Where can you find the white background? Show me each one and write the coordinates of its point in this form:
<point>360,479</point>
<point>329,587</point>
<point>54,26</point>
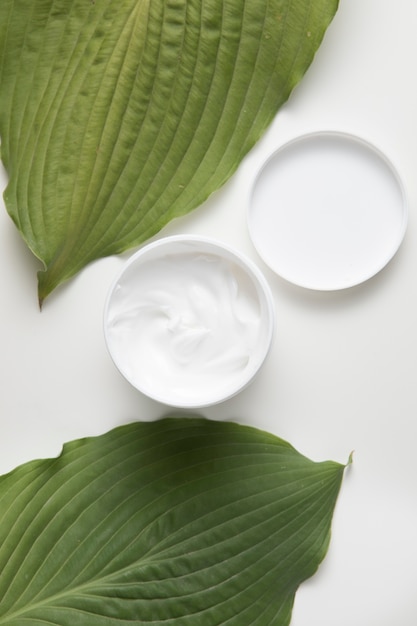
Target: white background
<point>342,371</point>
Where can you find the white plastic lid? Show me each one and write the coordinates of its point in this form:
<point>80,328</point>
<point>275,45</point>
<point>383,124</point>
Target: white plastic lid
<point>327,211</point>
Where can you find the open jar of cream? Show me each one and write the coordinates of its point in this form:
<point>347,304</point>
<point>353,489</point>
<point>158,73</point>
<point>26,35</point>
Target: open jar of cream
<point>189,321</point>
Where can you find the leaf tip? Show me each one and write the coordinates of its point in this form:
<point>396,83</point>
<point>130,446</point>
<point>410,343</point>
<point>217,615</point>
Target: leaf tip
<point>41,297</point>
<point>45,287</point>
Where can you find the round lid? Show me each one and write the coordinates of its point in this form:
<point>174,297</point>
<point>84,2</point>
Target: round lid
<point>327,211</point>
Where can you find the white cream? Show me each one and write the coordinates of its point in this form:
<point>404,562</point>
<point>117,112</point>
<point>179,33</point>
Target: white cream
<point>186,328</point>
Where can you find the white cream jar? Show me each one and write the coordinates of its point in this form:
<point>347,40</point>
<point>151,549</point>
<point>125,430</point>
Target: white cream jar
<point>188,321</point>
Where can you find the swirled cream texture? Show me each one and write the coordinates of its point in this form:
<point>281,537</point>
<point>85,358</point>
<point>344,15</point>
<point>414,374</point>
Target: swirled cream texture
<point>186,327</point>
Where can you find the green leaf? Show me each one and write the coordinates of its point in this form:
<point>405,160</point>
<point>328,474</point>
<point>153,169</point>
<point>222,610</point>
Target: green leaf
<point>118,115</point>
<point>179,522</point>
